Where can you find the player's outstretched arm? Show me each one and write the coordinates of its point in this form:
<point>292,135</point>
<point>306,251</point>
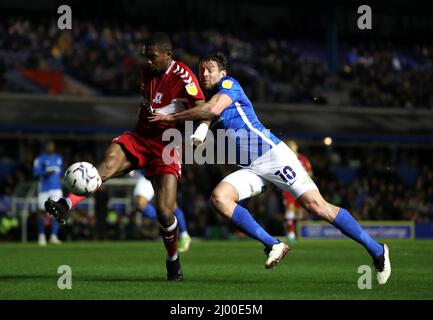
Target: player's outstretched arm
<point>207,111</point>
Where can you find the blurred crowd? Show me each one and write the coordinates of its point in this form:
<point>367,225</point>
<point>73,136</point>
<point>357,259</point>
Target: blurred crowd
<point>374,184</point>
<point>379,184</point>
<point>381,75</point>
<point>275,69</point>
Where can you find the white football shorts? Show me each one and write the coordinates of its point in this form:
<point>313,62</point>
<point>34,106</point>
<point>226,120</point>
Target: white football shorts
<point>279,166</point>
<point>144,188</point>
<point>54,194</point>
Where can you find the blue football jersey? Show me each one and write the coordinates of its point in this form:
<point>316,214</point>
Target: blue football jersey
<point>49,169</point>
<point>242,126</point>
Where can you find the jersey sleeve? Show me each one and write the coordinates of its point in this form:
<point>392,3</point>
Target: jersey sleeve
<point>37,170</point>
<point>229,87</point>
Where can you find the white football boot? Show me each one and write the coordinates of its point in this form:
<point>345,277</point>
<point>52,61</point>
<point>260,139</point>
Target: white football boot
<point>275,254</point>
<point>383,266</point>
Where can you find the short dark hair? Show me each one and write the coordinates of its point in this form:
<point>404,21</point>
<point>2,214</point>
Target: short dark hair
<point>218,57</point>
<point>161,40</point>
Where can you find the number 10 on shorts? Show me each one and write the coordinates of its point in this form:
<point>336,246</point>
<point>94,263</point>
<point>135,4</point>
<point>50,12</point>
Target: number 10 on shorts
<point>286,174</point>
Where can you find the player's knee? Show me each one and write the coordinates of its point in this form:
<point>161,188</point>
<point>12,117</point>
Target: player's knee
<point>220,201</point>
<point>112,162</point>
<point>107,168</point>
<point>164,213</point>
<point>141,203</point>
<point>320,208</point>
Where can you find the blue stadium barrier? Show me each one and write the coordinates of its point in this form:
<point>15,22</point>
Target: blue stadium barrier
<point>377,229</point>
<point>424,230</point>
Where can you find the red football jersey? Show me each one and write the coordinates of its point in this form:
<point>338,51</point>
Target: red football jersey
<point>174,91</point>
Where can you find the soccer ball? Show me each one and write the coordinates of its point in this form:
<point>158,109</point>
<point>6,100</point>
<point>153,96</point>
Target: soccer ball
<point>82,178</point>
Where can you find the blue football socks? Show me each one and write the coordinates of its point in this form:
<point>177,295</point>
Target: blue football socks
<point>349,227</point>
<point>243,220</point>
<point>149,211</point>
<point>180,219</point>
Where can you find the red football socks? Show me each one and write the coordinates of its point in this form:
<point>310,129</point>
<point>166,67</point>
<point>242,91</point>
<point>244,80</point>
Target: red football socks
<point>74,199</point>
<point>169,236</point>
<point>290,225</point>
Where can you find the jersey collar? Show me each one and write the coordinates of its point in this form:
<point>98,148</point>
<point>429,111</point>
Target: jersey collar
<point>170,67</point>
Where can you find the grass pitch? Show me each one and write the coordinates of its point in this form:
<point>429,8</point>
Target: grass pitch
<point>313,269</point>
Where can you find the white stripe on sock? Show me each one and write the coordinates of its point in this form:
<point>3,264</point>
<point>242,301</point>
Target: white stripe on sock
<point>172,227</point>
<point>172,258</point>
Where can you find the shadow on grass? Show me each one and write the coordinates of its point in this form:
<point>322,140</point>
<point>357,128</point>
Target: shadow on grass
<point>119,279</point>
<point>11,277</point>
<point>191,280</point>
<point>134,279</point>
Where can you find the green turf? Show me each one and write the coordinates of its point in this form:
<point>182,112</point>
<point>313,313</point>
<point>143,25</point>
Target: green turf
<point>325,269</point>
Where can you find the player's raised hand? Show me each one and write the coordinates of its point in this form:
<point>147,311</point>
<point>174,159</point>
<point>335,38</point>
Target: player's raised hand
<point>155,117</point>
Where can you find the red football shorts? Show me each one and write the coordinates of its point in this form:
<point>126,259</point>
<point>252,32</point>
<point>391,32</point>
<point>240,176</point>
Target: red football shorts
<point>149,153</point>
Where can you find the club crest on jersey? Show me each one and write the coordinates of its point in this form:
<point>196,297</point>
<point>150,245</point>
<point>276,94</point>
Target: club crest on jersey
<point>157,98</point>
<point>191,89</point>
<point>227,84</point>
